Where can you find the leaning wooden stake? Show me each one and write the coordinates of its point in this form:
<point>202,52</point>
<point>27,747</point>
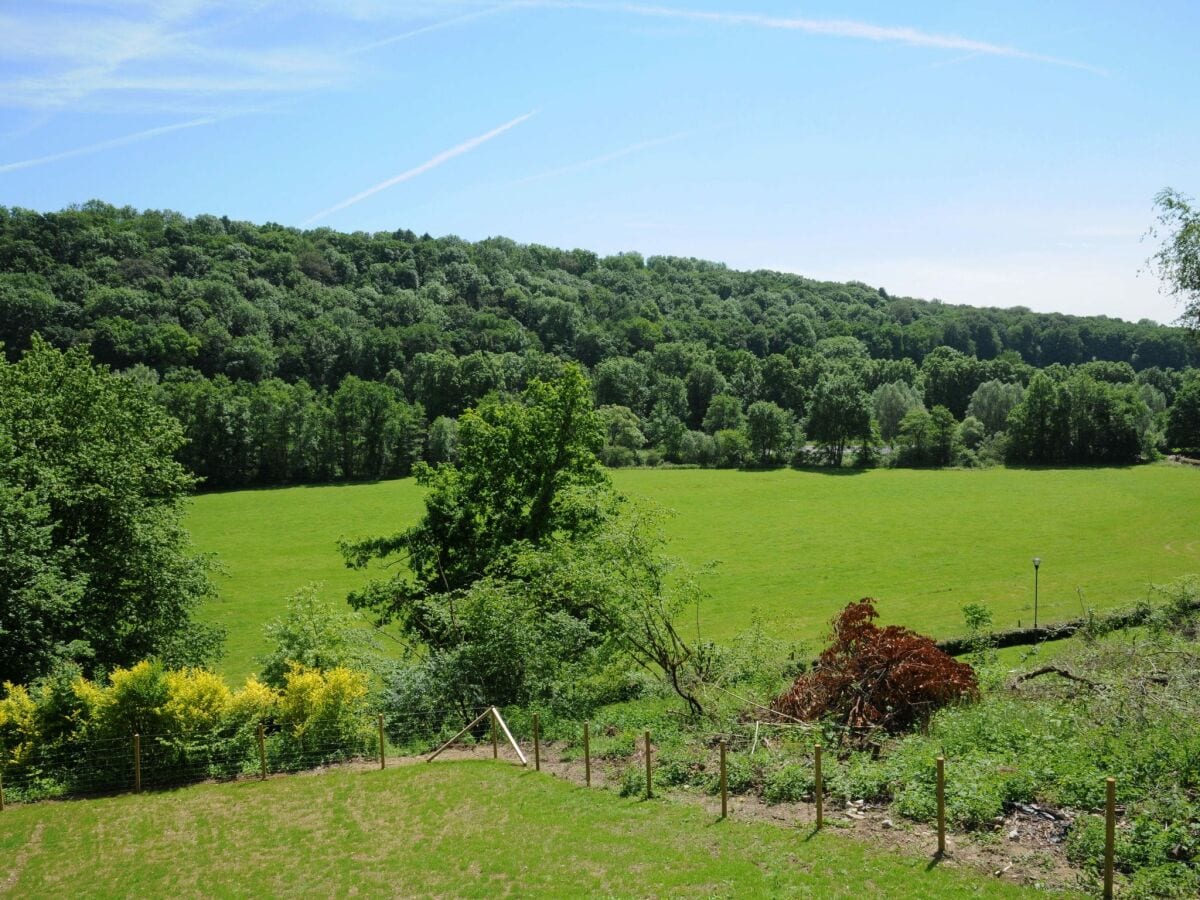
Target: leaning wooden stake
<point>498,719</point>
<point>537,743</point>
<point>1110,834</point>
<point>137,763</point>
<point>382,758</point>
<point>941,805</point>
<point>649,783</point>
<point>587,754</point>
<point>434,755</point>
<point>724,785</point>
<point>818,786</point>
<point>262,753</point>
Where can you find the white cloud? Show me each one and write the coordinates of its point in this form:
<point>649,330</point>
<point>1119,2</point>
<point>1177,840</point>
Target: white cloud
<point>431,163</point>
<point>607,157</point>
<point>121,57</point>
<point>425,29</point>
<point>843,28</point>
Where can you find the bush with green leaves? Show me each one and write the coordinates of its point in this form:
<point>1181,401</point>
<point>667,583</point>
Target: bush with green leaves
<point>632,781</point>
<point>67,733</point>
<point>315,633</point>
<point>741,775</point>
<point>789,781</point>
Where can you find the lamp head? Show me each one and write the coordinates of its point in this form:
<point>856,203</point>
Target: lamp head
<point>1037,561</point>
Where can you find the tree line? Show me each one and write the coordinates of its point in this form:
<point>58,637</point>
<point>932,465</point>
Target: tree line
<point>303,356</point>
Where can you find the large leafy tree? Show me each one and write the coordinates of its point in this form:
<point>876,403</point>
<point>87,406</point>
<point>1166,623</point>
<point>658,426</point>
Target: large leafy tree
<point>97,567</point>
<point>840,412</point>
<point>769,429</point>
<point>993,401</point>
<point>1183,419</point>
<point>1177,261</point>
<point>891,402</point>
<point>528,470</point>
<point>527,571</point>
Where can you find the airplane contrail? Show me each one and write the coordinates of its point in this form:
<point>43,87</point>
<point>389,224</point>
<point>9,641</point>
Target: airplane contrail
<point>106,145</point>
<point>431,163</point>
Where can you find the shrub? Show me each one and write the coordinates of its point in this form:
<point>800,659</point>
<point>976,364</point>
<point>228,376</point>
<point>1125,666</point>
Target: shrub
<point>680,766</point>
<point>871,677</point>
<point>321,717</point>
<point>858,777</point>
<point>69,734</point>
<point>791,781</point>
<point>18,730</point>
<point>741,776</point>
<point>633,782</point>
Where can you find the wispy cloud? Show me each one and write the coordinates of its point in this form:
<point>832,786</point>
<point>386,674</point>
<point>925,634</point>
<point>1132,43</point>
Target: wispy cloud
<point>105,145</point>
<point>425,29</point>
<point>123,56</point>
<point>431,163</point>
<point>607,157</point>
<point>843,28</point>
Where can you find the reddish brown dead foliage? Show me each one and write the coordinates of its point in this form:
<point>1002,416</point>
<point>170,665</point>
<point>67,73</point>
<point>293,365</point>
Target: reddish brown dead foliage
<point>871,677</point>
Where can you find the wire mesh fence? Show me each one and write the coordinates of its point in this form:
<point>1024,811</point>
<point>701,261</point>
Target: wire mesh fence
<point>88,764</point>
<point>92,765</point>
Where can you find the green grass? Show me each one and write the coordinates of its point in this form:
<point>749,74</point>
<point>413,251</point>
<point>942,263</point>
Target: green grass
<point>271,542</point>
<point>793,546</point>
<point>466,829</point>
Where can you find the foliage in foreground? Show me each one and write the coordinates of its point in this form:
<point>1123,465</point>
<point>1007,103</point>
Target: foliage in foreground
<point>68,734</point>
<point>96,568</point>
<point>527,577</point>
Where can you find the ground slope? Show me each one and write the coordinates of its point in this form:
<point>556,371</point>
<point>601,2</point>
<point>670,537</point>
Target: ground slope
<point>449,829</point>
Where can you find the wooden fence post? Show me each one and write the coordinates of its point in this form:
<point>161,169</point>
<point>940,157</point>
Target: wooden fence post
<point>382,757</point>
<point>818,786</point>
<point>1,789</point>
<point>941,805</point>
<point>137,763</point>
<point>495,737</point>
<point>587,753</point>
<point>649,782</point>
<point>262,753</point>
<point>724,785</point>
<point>1110,834</point>
<point>537,743</point>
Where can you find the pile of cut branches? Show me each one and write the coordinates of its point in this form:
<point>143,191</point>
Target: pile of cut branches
<point>872,678</point>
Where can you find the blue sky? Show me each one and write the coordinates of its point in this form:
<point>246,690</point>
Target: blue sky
<point>994,153</point>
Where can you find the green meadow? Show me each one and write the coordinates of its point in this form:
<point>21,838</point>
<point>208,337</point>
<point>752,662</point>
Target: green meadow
<point>790,547</point>
<point>463,829</point>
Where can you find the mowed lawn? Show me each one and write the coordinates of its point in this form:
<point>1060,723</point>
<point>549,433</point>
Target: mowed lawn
<point>462,829</point>
<point>792,547</point>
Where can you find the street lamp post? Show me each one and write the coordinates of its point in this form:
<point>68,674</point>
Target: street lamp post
<point>1037,562</point>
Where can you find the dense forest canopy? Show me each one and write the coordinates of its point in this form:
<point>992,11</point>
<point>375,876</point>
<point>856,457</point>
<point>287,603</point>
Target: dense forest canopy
<point>292,355</point>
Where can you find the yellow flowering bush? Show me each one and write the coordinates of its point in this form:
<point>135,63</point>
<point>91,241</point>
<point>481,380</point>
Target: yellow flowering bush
<point>18,724</point>
<point>191,726</point>
<point>198,702</point>
<point>322,715</point>
<point>255,702</point>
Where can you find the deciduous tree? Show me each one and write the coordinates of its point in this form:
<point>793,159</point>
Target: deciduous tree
<point>99,569</point>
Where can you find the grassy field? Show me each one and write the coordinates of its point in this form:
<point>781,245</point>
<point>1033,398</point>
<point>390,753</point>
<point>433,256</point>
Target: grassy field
<point>792,546</point>
<point>468,829</point>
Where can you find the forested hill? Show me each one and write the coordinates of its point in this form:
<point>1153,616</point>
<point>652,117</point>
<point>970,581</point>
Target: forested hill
<point>441,321</point>
<point>263,300</point>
